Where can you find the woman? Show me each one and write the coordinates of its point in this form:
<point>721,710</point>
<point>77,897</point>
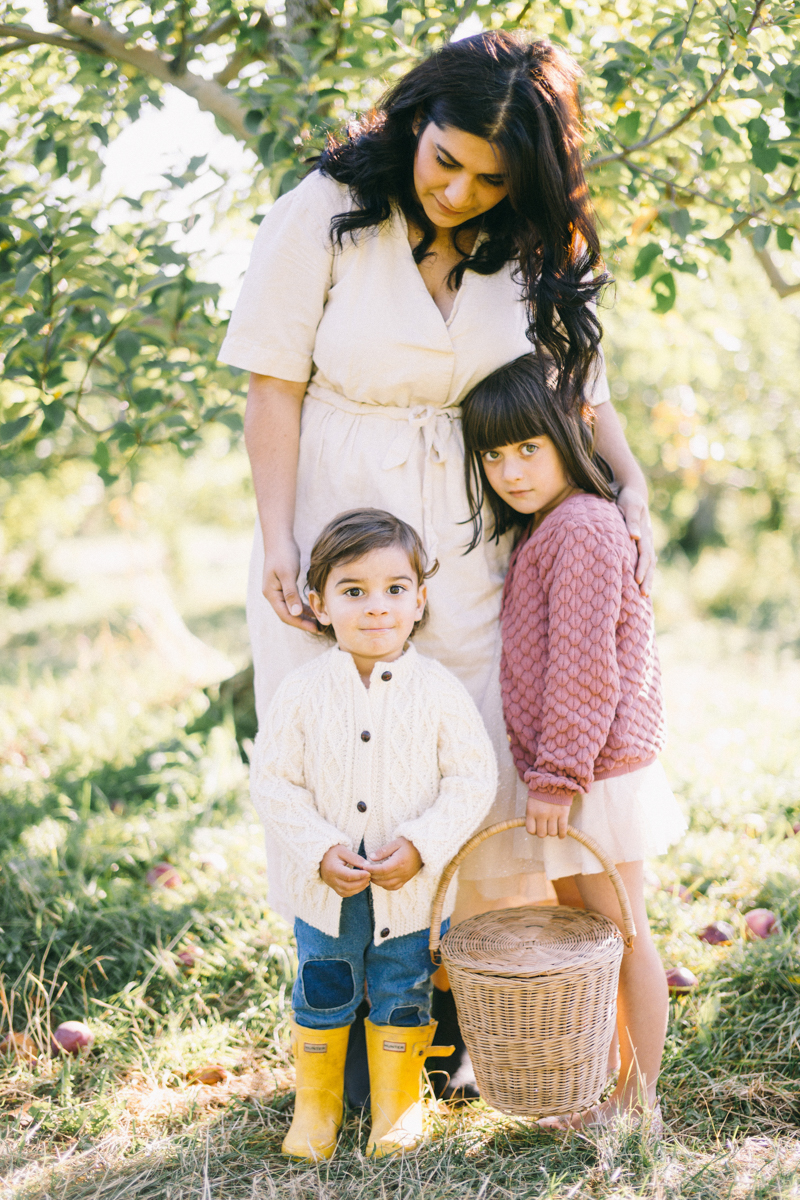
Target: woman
<point>446,233</point>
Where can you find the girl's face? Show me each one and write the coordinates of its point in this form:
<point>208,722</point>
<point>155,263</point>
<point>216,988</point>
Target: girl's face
<point>373,604</point>
<point>457,176</point>
<point>529,476</point>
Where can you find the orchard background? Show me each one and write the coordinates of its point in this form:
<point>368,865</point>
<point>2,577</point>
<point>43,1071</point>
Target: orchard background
<point>125,519</point>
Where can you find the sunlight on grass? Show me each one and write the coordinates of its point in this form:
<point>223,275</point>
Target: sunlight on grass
<point>112,762</point>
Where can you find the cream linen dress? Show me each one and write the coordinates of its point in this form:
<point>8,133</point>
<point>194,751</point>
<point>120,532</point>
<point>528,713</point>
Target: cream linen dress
<point>380,427</point>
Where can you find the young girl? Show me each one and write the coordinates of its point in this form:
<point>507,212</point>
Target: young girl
<point>371,769</point>
<point>580,676</point>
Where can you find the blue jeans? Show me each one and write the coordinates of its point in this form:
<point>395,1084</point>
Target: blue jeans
<point>332,972</point>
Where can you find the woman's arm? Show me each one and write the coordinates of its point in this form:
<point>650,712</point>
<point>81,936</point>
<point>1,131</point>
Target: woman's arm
<point>611,443</point>
<point>272,437</point>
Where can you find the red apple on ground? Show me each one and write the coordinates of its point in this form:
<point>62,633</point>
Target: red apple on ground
<point>207,1075</point>
<point>189,956</point>
<point>71,1037</point>
<point>719,933</point>
<point>164,875</point>
<point>681,980</point>
<point>761,923</point>
<point>21,1046</point>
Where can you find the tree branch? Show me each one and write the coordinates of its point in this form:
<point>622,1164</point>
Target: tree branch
<point>645,142</point>
<point>31,37</point>
<point>781,285</point>
<point>648,140</point>
<point>97,37</point>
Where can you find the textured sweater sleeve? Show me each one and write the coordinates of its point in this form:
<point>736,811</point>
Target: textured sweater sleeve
<point>468,770</point>
<point>582,680</point>
<point>278,788</point>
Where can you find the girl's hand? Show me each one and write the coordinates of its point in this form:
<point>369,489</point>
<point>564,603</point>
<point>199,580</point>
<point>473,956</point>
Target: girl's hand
<point>637,518</point>
<point>279,585</point>
<point>347,873</point>
<point>546,820</point>
<point>394,864</point>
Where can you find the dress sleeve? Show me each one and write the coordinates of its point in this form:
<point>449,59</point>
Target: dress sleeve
<point>582,680</point>
<point>274,324</point>
<point>468,770</point>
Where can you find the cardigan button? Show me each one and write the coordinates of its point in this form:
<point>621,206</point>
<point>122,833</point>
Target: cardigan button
<point>366,735</point>
<point>361,806</point>
<point>384,933</point>
<point>386,676</point>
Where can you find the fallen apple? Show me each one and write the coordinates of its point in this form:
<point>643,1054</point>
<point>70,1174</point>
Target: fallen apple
<point>718,933</point>
<point>207,1075</point>
<point>189,956</point>
<point>681,980</point>
<point>71,1037</point>
<point>164,875</point>
<point>21,1046</point>
<point>761,923</point>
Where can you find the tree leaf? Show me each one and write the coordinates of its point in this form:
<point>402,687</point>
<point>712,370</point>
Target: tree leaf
<point>645,259</point>
<point>766,158</point>
<point>11,429</point>
<point>25,278</point>
<point>785,237</point>
<point>760,236</point>
<point>664,290</point>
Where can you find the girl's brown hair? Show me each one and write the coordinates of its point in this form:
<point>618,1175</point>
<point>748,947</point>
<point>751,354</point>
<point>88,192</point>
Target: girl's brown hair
<point>355,533</point>
<point>517,402</point>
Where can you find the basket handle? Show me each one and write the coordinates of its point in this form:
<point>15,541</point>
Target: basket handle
<point>475,841</point>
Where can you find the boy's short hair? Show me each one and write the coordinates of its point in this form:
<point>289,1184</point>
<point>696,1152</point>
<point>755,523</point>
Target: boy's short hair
<point>355,533</point>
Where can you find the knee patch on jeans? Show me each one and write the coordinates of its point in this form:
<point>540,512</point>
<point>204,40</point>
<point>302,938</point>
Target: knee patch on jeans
<point>328,983</point>
<point>407,1016</point>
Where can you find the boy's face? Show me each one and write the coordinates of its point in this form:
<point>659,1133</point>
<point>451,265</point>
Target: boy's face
<point>372,603</point>
<point>529,476</point>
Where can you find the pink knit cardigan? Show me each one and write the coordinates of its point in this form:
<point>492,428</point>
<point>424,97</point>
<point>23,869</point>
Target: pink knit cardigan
<point>580,675</point>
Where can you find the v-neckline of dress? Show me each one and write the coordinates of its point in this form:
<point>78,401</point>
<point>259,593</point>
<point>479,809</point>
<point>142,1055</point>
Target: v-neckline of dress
<point>402,221</point>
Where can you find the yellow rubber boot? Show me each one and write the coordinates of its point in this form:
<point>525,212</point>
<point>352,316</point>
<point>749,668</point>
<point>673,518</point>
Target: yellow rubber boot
<point>319,1056</point>
<point>396,1056</point>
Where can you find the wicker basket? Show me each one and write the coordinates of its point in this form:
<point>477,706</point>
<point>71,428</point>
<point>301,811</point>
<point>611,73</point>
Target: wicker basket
<point>536,993</point>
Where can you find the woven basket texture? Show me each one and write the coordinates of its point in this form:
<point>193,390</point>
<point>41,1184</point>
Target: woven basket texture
<point>536,990</point>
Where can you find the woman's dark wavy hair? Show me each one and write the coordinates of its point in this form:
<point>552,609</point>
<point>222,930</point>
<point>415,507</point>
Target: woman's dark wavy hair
<point>522,97</point>
<point>517,402</point>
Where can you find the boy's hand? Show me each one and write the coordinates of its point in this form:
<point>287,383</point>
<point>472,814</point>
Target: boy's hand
<point>546,820</point>
<point>394,864</point>
<point>347,873</point>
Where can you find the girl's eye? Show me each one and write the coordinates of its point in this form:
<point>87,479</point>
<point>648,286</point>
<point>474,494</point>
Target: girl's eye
<point>494,182</point>
<point>448,166</point>
<point>355,592</point>
<point>529,449</point>
<point>396,589</point>
<point>490,456</point>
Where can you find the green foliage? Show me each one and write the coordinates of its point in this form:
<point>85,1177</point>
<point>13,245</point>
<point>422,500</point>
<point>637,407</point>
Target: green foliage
<point>108,340</point>
<point>693,138</point>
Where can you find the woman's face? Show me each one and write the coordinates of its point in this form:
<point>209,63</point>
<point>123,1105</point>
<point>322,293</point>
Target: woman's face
<point>457,176</point>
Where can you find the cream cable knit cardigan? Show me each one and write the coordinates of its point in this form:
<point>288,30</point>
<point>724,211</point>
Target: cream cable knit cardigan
<point>336,763</point>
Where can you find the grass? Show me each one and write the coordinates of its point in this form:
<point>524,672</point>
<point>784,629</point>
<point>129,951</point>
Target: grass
<point>110,761</point>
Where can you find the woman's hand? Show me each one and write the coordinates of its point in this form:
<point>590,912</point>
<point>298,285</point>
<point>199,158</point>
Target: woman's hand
<point>637,518</point>
<point>343,871</point>
<point>280,586</point>
<point>546,820</point>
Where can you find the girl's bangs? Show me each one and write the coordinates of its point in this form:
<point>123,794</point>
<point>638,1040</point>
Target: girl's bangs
<point>501,421</point>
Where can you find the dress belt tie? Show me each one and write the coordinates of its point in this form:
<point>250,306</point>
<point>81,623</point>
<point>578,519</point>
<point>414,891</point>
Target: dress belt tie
<point>433,424</point>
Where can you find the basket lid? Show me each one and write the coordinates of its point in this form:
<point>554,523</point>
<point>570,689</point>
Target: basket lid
<point>533,940</point>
